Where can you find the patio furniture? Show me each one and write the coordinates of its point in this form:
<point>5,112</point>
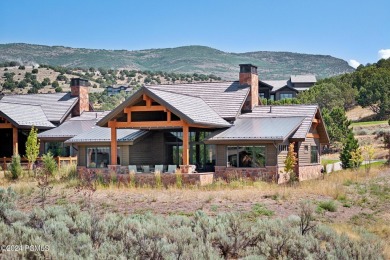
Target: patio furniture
<point>145,168</point>
<point>171,169</point>
<point>133,168</point>
<point>159,167</point>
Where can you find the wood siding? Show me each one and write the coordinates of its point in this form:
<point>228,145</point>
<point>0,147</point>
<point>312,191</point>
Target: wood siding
<point>305,154</point>
<point>150,150</point>
<point>82,158</point>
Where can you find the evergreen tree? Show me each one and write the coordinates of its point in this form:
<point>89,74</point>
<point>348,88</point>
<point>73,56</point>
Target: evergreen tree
<point>350,145</point>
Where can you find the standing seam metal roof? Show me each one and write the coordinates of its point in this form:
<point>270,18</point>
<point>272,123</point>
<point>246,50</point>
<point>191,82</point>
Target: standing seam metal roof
<point>25,115</point>
<point>307,111</point>
<point>103,134</point>
<point>55,106</point>
<point>259,128</point>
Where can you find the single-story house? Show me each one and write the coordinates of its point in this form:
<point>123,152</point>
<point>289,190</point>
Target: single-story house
<point>217,126</point>
<point>18,113</point>
<point>282,89</point>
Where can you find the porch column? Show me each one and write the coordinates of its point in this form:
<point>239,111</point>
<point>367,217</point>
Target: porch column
<point>113,146</point>
<point>15,140</point>
<point>186,150</point>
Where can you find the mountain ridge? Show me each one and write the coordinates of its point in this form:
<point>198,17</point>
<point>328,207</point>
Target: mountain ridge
<point>182,59</point>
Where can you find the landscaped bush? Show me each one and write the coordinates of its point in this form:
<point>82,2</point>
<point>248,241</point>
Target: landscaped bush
<point>15,167</point>
<point>71,233</point>
<point>327,205</point>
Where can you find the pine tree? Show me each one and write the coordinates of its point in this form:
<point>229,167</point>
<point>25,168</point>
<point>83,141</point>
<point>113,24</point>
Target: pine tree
<point>349,145</point>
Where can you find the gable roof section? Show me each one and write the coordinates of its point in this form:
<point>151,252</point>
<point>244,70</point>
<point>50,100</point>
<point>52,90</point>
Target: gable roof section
<point>55,106</point>
<point>275,84</point>
<point>259,128</point>
<point>303,78</point>
<point>25,116</point>
<point>192,109</point>
<point>225,98</point>
<point>103,134</point>
<point>307,111</point>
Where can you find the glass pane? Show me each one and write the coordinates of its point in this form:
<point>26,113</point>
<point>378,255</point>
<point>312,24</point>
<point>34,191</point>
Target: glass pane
<point>258,159</point>
<point>98,157</point>
<point>232,156</point>
<point>314,154</point>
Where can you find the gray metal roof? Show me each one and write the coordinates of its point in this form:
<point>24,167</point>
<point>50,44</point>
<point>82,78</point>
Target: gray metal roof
<point>275,84</point>
<point>103,134</point>
<point>303,78</point>
<point>91,115</point>
<point>225,98</point>
<point>55,106</point>
<point>259,128</point>
<point>25,116</point>
<point>68,129</point>
<point>307,111</point>
<point>194,108</point>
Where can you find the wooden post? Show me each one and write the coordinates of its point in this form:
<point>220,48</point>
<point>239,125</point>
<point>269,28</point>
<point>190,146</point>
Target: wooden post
<point>113,146</point>
<point>15,140</point>
<point>186,150</point>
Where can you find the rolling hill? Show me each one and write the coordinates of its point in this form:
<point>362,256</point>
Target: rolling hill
<point>187,59</point>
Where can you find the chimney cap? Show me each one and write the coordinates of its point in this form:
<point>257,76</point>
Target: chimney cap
<point>248,68</point>
<point>78,82</point>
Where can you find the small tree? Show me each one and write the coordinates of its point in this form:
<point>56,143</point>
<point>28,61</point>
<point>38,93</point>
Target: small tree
<point>349,145</point>
<point>356,159</point>
<point>368,154</point>
<point>32,147</point>
<point>290,162</point>
<point>306,217</point>
<point>15,167</point>
<point>49,164</point>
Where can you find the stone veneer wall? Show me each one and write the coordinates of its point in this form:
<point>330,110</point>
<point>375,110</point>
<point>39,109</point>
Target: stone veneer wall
<point>309,172</point>
<point>269,173</point>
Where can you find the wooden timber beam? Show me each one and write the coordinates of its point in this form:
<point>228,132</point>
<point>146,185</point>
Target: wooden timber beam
<point>311,135</point>
<point>113,146</point>
<point>15,140</point>
<point>186,150</point>
<point>147,124</point>
<point>5,125</point>
<point>316,120</point>
<point>144,109</point>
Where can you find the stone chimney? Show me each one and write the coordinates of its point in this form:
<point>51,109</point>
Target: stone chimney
<point>249,77</point>
<point>79,88</point>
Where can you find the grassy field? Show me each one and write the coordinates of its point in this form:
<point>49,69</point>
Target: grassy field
<point>345,200</point>
<point>369,123</point>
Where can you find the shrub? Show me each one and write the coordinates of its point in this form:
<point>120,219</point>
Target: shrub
<point>327,205</point>
<point>15,167</point>
<point>49,164</point>
<point>157,177</point>
<point>179,179</point>
<point>34,71</point>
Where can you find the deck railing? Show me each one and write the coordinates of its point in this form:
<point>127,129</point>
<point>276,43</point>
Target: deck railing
<point>59,159</point>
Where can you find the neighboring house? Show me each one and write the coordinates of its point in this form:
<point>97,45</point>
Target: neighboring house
<point>18,113</point>
<point>282,89</point>
<point>216,126</point>
<point>112,90</point>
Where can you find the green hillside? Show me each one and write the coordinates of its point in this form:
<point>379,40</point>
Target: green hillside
<point>187,59</point>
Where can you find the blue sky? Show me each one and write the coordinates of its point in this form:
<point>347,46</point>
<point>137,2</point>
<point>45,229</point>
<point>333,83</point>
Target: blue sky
<point>351,30</point>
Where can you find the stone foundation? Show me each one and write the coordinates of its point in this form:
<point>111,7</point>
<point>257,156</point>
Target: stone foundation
<point>269,173</point>
<point>121,175</point>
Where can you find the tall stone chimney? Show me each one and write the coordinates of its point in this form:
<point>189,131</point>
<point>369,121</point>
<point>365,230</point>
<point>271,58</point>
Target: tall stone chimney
<point>79,88</point>
<point>249,77</point>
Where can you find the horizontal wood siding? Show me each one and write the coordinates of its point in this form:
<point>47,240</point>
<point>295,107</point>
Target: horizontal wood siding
<point>124,155</point>
<point>82,158</point>
<point>282,154</point>
<point>305,155</point>
<point>221,155</point>
<point>151,150</point>
<point>271,155</point>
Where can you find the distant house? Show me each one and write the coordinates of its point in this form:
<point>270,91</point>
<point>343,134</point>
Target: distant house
<point>218,127</point>
<point>112,90</point>
<point>282,89</point>
<point>18,113</point>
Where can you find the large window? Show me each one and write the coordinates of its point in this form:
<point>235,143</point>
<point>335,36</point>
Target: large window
<point>314,154</point>
<point>286,95</point>
<point>246,156</point>
<point>98,157</point>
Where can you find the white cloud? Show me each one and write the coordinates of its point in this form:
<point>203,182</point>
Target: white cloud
<point>384,54</point>
<point>354,63</point>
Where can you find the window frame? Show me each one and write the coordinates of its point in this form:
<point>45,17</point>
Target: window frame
<point>314,159</point>
<point>236,155</point>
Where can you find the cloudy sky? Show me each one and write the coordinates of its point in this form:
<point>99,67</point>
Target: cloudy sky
<point>356,31</point>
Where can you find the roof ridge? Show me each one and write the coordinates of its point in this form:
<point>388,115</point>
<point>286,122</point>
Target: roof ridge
<point>177,93</point>
<point>24,104</point>
<point>192,83</point>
